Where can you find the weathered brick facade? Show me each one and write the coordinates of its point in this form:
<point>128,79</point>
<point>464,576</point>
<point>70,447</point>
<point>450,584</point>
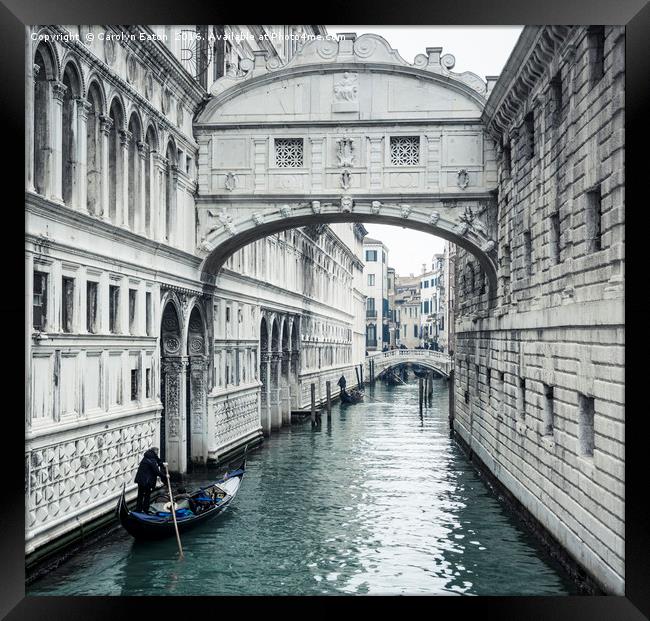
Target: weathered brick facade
<point>539,375</point>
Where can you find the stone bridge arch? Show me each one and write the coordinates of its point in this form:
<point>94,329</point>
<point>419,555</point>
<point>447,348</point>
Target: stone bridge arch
<point>347,131</point>
<point>436,361</point>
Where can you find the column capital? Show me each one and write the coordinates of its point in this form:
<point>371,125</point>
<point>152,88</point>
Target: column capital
<point>125,137</point>
<point>35,71</point>
<point>58,90</point>
<point>105,124</point>
<point>160,160</point>
<point>143,149</point>
<point>83,107</point>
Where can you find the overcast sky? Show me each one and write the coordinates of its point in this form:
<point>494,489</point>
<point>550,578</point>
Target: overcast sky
<point>483,50</point>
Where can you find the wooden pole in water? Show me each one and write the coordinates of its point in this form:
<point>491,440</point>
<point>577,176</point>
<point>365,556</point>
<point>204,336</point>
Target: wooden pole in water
<point>421,392</point>
<point>328,390</point>
<point>356,370</point>
<point>173,512</point>
<point>313,403</point>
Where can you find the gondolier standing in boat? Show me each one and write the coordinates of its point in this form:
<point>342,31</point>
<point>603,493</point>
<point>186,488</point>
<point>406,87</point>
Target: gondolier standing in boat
<point>149,470</point>
<point>342,383</point>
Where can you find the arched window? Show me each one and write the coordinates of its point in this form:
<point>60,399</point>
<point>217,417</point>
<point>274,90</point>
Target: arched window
<point>43,75</point>
<point>114,160</point>
<point>133,170</point>
<point>94,151</point>
<point>69,132</point>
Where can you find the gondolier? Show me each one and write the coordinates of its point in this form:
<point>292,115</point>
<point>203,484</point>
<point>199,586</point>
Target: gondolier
<point>342,383</point>
<point>149,470</point>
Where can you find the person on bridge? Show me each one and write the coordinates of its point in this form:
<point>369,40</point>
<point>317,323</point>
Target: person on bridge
<point>149,470</point>
<point>342,383</point>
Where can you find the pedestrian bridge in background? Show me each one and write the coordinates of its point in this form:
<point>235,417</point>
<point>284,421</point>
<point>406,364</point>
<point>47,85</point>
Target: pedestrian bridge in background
<point>434,360</point>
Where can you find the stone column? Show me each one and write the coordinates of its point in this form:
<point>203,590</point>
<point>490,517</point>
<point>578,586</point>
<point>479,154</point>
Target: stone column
<point>105,125</point>
<point>122,194</point>
<point>143,154</point>
<point>198,406</point>
<point>103,304</point>
<point>172,234</point>
<point>286,389</point>
<point>158,197</point>
<point>56,144</point>
<point>30,86</point>
<point>265,396</point>
<point>174,368</point>
<point>79,176</point>
<point>276,402</point>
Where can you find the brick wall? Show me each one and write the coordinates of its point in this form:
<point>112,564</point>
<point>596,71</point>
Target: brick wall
<point>549,357</point>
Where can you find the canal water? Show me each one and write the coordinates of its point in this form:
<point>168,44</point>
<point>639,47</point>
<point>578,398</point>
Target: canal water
<point>378,501</point>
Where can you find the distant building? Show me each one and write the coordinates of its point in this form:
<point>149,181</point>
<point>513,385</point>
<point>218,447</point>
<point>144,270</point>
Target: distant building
<point>432,289</point>
<point>393,313</point>
<point>375,274</point>
<point>408,305</point>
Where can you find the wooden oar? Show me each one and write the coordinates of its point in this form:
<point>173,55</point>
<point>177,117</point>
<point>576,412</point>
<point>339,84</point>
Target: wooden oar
<point>171,498</point>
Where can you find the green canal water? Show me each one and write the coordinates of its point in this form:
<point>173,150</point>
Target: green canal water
<point>378,501</point>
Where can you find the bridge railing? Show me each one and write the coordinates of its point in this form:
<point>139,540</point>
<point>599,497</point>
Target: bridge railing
<point>410,353</point>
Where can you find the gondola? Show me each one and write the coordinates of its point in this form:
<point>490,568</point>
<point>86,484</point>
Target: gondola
<point>191,509</point>
<point>352,396</point>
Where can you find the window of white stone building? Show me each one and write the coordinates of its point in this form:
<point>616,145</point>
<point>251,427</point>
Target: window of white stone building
<point>39,304</point>
<point>148,314</point>
<point>133,296</point>
<point>371,280</point>
<point>113,308</point>
<point>593,213</point>
<point>596,47</point>
<point>548,409</point>
<point>404,150</point>
<point>289,152</point>
<point>91,306</point>
<point>67,304</point>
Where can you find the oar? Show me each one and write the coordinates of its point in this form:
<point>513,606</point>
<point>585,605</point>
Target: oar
<point>171,498</point>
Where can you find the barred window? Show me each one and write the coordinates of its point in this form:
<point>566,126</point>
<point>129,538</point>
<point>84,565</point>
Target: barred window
<point>289,152</point>
<point>404,150</point>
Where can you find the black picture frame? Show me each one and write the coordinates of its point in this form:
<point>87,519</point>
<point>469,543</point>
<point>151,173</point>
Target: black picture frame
<point>634,14</point>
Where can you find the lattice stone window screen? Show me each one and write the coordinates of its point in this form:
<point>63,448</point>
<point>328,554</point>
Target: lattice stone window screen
<point>404,150</point>
<point>289,152</point>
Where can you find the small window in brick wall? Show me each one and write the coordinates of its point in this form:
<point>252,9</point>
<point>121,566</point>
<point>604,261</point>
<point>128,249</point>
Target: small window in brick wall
<point>507,159</point>
<point>596,53</point>
<point>593,218</point>
<point>529,136</point>
<point>586,411</point>
<point>554,238</point>
<point>557,104</point>
<point>521,399</point>
<point>528,254</point>
<point>548,409</point>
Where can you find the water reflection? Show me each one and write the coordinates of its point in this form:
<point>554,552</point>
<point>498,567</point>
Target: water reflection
<point>377,500</point>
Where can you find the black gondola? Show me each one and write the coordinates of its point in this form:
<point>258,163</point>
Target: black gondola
<point>191,509</point>
<point>352,396</point>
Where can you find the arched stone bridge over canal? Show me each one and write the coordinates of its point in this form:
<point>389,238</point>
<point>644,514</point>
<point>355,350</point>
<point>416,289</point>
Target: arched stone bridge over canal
<point>435,360</point>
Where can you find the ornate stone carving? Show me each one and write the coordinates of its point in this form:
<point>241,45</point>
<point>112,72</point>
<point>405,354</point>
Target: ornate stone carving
<point>179,114</point>
<point>472,218</point>
<point>405,211</point>
<point>448,61</point>
<point>257,218</point>
<point>463,179</point>
<point>165,99</point>
<point>231,181</point>
<point>433,218</point>
<point>285,210</point>
<point>316,206</point>
<point>148,85</point>
<point>488,246</point>
<point>105,124</point>
<point>58,90</point>
<point>346,89</point>
<point>109,51</point>
<point>461,228</point>
<point>172,345</point>
<point>345,152</point>
<point>196,345</point>
<point>226,221</point>
<point>131,68</point>
<point>375,206</point>
<point>346,204</point>
<point>346,180</point>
